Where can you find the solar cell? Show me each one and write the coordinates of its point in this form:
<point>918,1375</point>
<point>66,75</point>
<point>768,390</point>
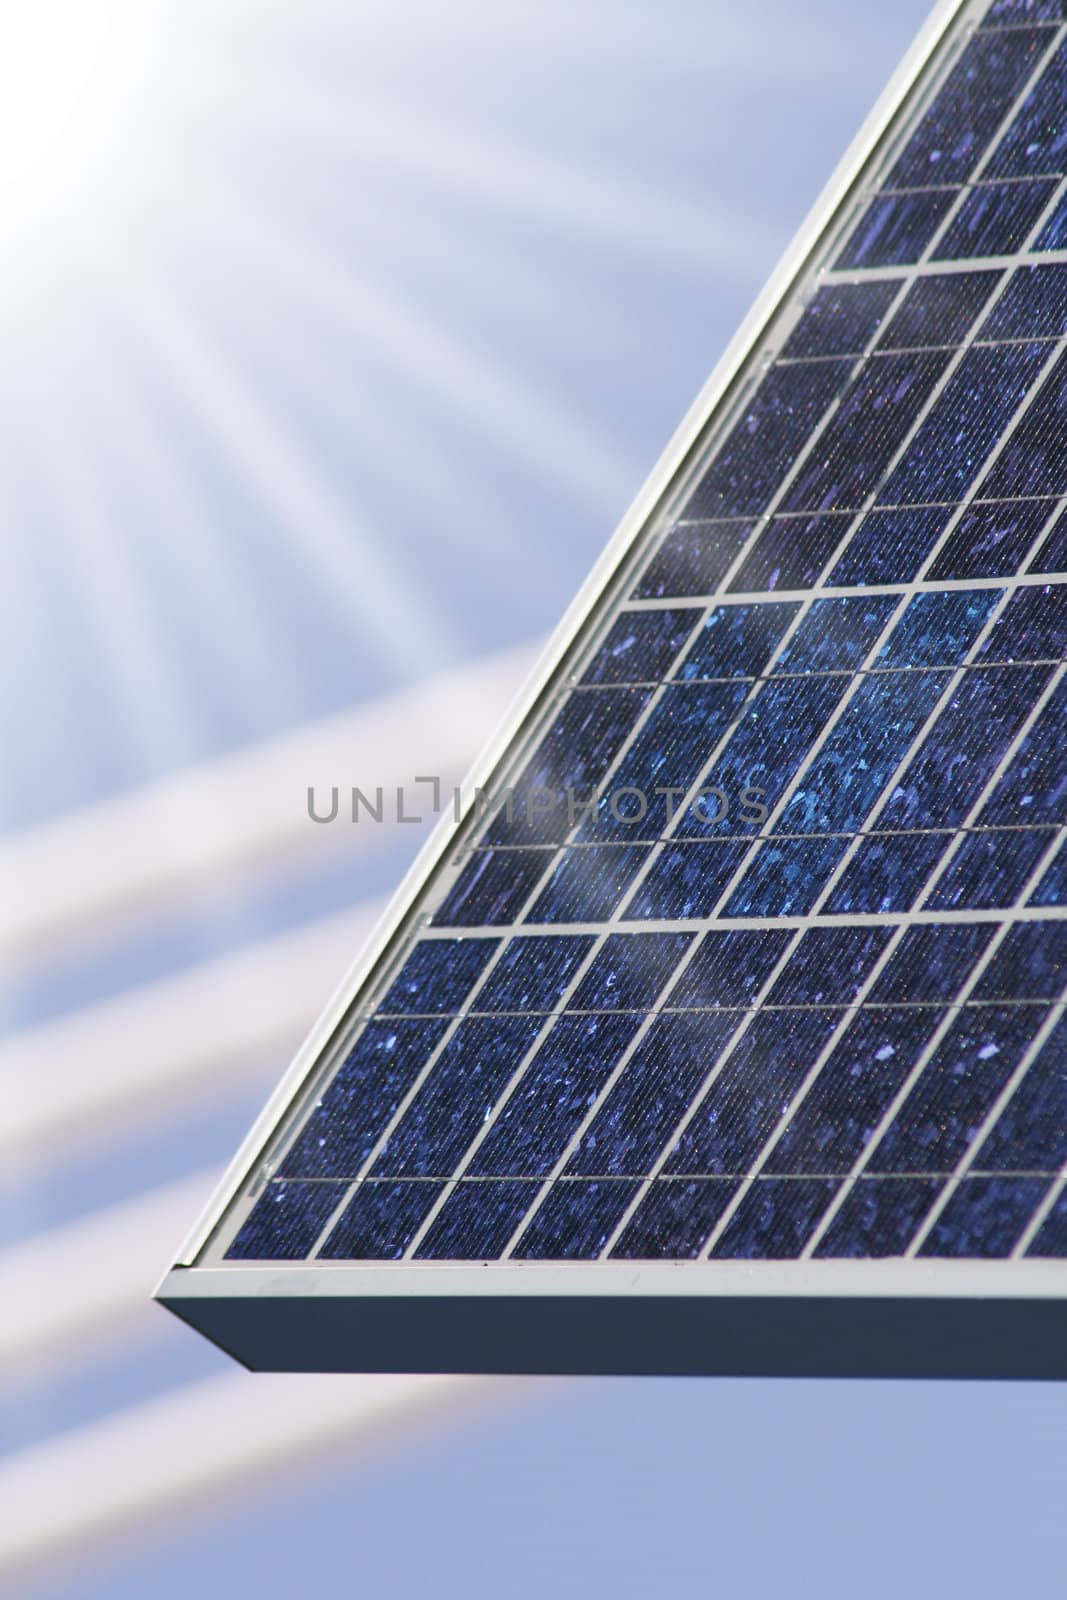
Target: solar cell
<point>757,952</point>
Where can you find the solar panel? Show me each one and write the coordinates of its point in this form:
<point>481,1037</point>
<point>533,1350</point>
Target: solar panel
<point>725,1031</point>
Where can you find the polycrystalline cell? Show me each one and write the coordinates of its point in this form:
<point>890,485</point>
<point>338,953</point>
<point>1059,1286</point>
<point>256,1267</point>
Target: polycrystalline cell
<point>991,539</point>
<point>956,1089</point>
<point>1033,306</point>
<point>629,970</point>
<point>932,962</point>
<point>938,309</point>
<point>890,546</point>
<point>380,1221</point>
<point>641,646</point>
<point>1036,140</point>
<point>729,968</point>
<point>1051,554</point>
<point>1007,12</point>
<point>842,319</point>
<point>588,883</point>
<point>752,1091</point>
<point>1034,787</point>
<point>285,1221</point>
<point>959,754</point>
<point>575,1220</point>
<point>887,872</point>
<point>1034,458</point>
<point>574,753</point>
<point>640,1113</point>
<point>775,1218</point>
<point>477,1220</point>
<point>438,975</point>
<point>1030,1134</point>
<point>969,107</point>
<point>1032,626</point>
<point>1053,235</point>
<point>1052,889</point>
<point>687,878</point>
<point>938,629</point>
<point>984,1217</point>
<point>854,1089</point>
<point>785,877</point>
<point>790,553</point>
<point>675,1218</point>
<point>864,433</point>
<point>965,422</point>
<point>994,219</point>
<point>1050,1240</point>
<point>533,973</point>
<point>1029,964</point>
<point>879,1217</point>
<point>836,635</point>
<point>492,888</point>
<point>989,870</point>
<point>738,641</point>
<point>553,1095</point>
<point>828,966</point>
<point>467,1079</point>
<point>693,558</point>
<point>766,440</point>
<point>896,228</point>
<point>363,1097</point>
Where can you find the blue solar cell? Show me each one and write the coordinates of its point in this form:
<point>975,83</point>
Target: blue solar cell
<point>991,539</point>
<point>362,1099</point>
<point>879,1217</point>
<point>1030,964</point>
<point>752,1092</point>
<point>932,962</point>
<point>1051,555</point>
<point>1033,306</point>
<point>1053,235</point>
<point>895,229</point>
<point>985,1217</point>
<point>675,1218</point>
<point>890,546</point>
<point>995,219</point>
<point>790,553</point>
<point>588,883</point>
<point>785,877</point>
<point>828,966</point>
<point>939,310</point>
<point>1032,626</point>
<point>1012,11</point>
<point>864,749</point>
<point>738,641</point>
<point>887,872</point>
<point>965,423</point>
<point>1052,889</point>
<point>285,1221</point>
<point>768,438</point>
<point>865,431</point>
<point>956,1089</point>
<point>438,975</point>
<point>1051,1237</point>
<point>841,320</point>
<point>775,1218</point>
<point>641,646</point>
<point>533,973</point>
<point>460,1093</point>
<point>492,888</point>
<point>1034,458</point>
<point>576,1220</point>
<point>380,1221</point>
<point>729,968</point>
<point>629,970</point>
<point>989,870</point>
<point>693,559</point>
<point>854,1089</point>
<point>1036,141</point>
<point>686,879</point>
<point>477,1220</point>
<point>937,630</point>
<point>967,111</point>
<point>655,1088</point>
<point>575,753</point>
<point>553,1095</point>
<point>1033,790</point>
<point>1030,1134</point>
<point>836,635</point>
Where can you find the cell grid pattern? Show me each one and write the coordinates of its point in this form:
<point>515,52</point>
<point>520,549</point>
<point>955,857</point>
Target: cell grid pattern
<point>782,976</point>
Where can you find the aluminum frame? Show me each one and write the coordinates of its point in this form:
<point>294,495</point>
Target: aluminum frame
<point>861,1318</point>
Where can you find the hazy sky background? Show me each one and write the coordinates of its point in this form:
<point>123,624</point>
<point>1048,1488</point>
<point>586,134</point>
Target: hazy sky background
<point>335,340</point>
